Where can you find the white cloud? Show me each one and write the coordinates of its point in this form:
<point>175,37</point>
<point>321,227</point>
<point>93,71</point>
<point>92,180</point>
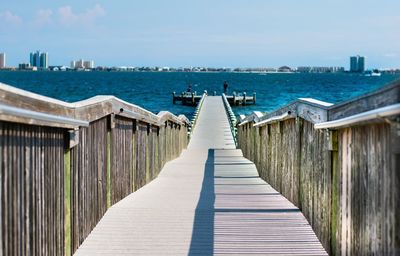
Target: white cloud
<point>390,55</point>
<point>67,16</point>
<point>44,17</point>
<point>10,18</point>
<point>96,11</point>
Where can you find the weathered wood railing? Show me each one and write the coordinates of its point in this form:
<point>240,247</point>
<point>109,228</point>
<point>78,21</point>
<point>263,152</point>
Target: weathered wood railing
<point>63,165</point>
<point>231,117</point>
<point>196,113</point>
<point>339,164</point>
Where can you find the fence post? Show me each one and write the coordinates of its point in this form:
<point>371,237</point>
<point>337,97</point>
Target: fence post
<point>67,201</point>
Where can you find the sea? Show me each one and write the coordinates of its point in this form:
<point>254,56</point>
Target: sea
<point>153,90</point>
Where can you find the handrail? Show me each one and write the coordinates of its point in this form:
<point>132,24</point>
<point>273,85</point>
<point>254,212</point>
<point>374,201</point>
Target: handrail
<point>231,117</point>
<point>24,113</point>
<point>196,113</point>
<point>244,122</point>
<point>87,110</point>
<point>134,115</point>
<point>362,117</point>
<point>284,116</point>
<point>253,117</point>
<point>324,114</point>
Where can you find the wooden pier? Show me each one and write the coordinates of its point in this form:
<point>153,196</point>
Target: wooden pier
<point>186,98</point>
<point>106,177</point>
<point>331,160</point>
<point>192,98</point>
<point>63,165</point>
<point>209,201</point>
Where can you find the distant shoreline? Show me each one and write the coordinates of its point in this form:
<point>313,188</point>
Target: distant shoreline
<point>175,71</point>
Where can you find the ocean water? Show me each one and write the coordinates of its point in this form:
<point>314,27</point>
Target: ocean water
<point>153,91</point>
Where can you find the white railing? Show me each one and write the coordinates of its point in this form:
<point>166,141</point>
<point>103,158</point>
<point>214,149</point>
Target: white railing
<point>231,118</point>
<point>196,113</point>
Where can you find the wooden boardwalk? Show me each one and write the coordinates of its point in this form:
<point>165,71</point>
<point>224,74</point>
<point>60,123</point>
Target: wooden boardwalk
<point>208,201</point>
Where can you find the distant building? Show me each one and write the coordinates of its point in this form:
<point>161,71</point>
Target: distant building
<point>308,69</point>
<point>79,64</point>
<point>357,64</point>
<point>58,68</point>
<point>304,69</point>
<point>2,60</point>
<point>44,60</point>
<point>284,69</point>
<point>34,59</point>
<point>361,64</point>
<point>39,60</point>
<point>353,64</point>
<point>26,66</point>
<point>88,64</point>
<point>82,64</point>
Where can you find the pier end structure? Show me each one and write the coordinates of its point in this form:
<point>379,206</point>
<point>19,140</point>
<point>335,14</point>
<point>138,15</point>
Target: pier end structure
<point>64,164</point>
<point>192,98</point>
<point>339,163</point>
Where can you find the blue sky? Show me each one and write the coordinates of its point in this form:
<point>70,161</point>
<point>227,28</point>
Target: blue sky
<point>218,33</point>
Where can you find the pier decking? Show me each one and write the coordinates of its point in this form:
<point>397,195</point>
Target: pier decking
<point>105,177</point>
<point>210,200</point>
<point>192,98</point>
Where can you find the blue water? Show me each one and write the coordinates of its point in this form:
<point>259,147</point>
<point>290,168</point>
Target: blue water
<point>153,91</point>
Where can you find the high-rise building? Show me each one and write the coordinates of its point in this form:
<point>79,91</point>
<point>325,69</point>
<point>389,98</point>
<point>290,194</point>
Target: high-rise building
<point>82,64</point>
<point>353,64</point>
<point>89,64</point>
<point>44,60</point>
<point>34,59</point>
<point>357,63</point>
<point>31,59</point>
<point>361,63</point>
<point>79,63</point>
<point>2,60</point>
<point>39,60</point>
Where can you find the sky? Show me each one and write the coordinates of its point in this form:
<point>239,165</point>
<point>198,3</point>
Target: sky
<point>213,33</point>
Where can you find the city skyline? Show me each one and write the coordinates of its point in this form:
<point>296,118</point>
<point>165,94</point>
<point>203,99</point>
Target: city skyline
<point>203,33</point>
<point>41,60</point>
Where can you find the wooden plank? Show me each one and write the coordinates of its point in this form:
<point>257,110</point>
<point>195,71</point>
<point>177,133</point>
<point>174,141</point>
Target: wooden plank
<point>338,184</point>
<point>108,169</point>
<point>67,202</point>
<point>206,201</point>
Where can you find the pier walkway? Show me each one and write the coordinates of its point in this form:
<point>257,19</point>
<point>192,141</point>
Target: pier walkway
<point>210,200</point>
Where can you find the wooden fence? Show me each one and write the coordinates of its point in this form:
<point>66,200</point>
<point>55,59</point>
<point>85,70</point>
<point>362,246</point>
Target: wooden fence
<point>58,178</point>
<point>345,178</point>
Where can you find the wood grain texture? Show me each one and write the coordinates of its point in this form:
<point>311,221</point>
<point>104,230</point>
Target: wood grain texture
<point>122,158</point>
<point>385,96</point>
<point>49,206</point>
<point>345,185</point>
<point>32,190</point>
<point>90,110</point>
<point>209,201</point>
<point>89,180</point>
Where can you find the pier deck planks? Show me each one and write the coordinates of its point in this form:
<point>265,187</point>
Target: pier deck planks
<point>208,201</point>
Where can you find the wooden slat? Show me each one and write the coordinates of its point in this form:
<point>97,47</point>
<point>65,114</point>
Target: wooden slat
<point>208,201</point>
<point>346,190</point>
<point>29,189</point>
<point>48,207</point>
